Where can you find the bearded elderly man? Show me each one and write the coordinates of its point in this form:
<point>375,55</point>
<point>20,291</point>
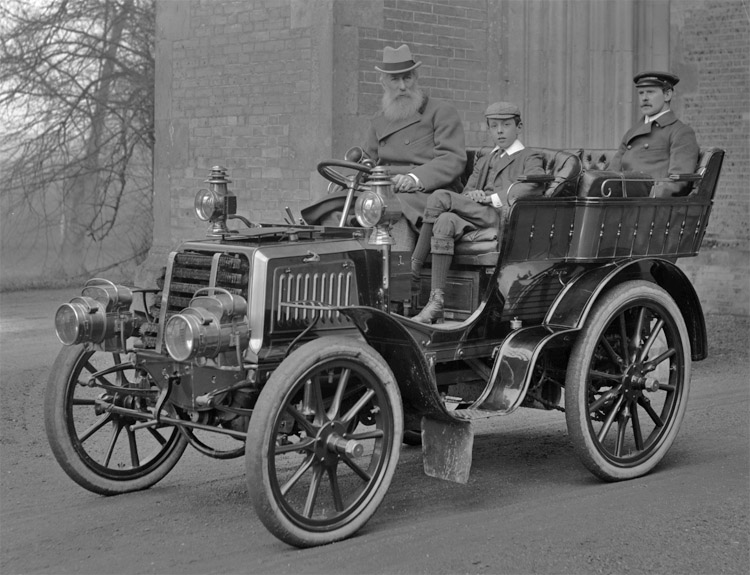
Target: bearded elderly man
<point>659,144</point>
<point>419,139</point>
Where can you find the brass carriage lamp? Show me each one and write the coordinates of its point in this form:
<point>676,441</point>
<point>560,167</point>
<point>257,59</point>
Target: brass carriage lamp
<point>378,208</point>
<point>216,203</point>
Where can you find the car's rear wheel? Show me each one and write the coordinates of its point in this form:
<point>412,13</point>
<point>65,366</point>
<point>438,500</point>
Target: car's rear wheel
<point>628,381</point>
<point>313,475</point>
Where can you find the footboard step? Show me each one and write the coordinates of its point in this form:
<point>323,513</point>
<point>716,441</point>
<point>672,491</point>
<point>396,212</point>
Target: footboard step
<point>471,414</point>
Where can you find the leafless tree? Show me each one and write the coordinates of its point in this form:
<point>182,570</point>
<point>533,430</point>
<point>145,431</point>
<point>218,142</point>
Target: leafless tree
<point>76,105</point>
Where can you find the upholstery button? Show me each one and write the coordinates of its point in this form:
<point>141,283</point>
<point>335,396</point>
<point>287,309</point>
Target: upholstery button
<point>629,146</point>
<point>406,142</point>
<point>645,146</point>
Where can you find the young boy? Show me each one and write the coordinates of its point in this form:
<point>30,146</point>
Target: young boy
<point>483,204</point>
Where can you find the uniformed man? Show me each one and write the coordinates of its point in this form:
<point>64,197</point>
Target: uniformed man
<point>419,139</point>
<point>659,144</point>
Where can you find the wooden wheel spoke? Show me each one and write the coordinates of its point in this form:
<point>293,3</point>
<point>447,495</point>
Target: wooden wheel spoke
<point>96,426</point>
<point>652,364</point>
<point>292,481</point>
<point>370,434</point>
<point>338,501</point>
<point>622,427</point>
<point>157,436</point>
<point>312,493</point>
<point>613,355</point>
<point>635,340</point>
<point>301,419</point>
<point>623,335</point>
<point>607,396</point>
<point>636,423</point>
<point>610,419</point>
<point>357,407</point>
<point>135,460</point>
<point>304,444</point>
<point>646,405</point>
<point>116,429</point>
<point>356,468</point>
<point>333,410</point>
<point>604,375</point>
<point>650,339</point>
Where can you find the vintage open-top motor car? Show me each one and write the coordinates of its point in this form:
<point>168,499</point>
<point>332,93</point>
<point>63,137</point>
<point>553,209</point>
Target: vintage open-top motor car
<point>293,344</point>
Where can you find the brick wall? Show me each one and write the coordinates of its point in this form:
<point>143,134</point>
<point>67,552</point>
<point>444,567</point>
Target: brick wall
<point>238,85</point>
<point>711,53</point>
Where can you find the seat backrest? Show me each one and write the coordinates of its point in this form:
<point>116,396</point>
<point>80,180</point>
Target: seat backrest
<point>596,179</point>
<point>565,167</point>
<point>709,167</point>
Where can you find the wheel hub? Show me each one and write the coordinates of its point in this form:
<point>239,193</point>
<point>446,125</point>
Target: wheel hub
<point>635,382</point>
<point>331,443</point>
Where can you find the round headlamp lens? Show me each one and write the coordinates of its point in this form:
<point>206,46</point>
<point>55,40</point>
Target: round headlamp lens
<point>206,205</point>
<point>179,337</point>
<point>68,323</point>
<point>369,209</point>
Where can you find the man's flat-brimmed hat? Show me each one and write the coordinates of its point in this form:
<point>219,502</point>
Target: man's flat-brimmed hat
<point>664,80</point>
<point>397,60</point>
<point>502,111</point>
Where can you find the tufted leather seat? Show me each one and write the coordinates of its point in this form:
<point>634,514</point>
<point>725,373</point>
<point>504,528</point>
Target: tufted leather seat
<point>597,181</point>
<point>561,179</point>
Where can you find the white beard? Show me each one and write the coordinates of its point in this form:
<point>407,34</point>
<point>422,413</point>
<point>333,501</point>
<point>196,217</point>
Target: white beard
<point>400,108</point>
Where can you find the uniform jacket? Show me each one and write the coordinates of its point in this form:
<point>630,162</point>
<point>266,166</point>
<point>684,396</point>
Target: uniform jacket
<point>663,146</point>
<point>429,144</point>
<point>525,162</point>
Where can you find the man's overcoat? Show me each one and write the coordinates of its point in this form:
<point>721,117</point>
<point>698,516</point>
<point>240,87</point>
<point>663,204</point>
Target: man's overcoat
<point>430,144</point>
<point>662,147</point>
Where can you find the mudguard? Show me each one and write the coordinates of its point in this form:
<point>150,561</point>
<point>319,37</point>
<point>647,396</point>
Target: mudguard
<point>573,305</point>
<point>447,441</point>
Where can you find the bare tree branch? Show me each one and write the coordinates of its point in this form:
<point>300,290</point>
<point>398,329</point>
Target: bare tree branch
<point>76,111</point>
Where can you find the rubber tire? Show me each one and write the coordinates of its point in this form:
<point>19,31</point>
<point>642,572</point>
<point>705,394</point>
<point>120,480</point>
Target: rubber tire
<point>261,436</point>
<point>583,437</point>
<point>72,455</point>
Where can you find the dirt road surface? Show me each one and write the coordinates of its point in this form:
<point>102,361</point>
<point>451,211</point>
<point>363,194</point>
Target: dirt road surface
<point>529,506</point>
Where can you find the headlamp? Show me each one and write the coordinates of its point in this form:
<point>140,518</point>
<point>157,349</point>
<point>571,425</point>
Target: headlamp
<point>212,324</point>
<point>99,313</point>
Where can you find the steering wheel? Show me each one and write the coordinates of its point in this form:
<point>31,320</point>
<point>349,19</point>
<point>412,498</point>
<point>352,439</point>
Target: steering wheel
<point>325,169</point>
<point>350,184</point>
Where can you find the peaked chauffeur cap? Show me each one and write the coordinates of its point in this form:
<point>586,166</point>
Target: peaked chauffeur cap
<point>397,60</point>
<point>664,80</point>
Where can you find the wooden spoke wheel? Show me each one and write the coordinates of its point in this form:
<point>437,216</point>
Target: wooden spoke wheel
<point>324,441</point>
<point>628,381</point>
<point>97,447</point>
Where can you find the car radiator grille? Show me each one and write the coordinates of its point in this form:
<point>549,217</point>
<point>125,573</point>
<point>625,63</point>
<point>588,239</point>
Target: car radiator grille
<point>192,271</point>
<point>330,288</point>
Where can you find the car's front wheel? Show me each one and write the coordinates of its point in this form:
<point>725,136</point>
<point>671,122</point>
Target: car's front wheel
<point>323,442</point>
